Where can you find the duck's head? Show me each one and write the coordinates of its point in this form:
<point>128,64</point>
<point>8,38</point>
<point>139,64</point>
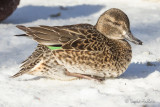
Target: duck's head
<point>114,24</point>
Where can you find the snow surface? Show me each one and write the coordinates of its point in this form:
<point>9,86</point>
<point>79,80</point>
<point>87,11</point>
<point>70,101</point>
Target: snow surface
<point>139,86</point>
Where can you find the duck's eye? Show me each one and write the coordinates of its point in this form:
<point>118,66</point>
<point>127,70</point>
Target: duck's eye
<point>116,23</point>
<point>107,20</point>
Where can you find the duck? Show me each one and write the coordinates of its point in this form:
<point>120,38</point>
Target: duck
<point>86,51</point>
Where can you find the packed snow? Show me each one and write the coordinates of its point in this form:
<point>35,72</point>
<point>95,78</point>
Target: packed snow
<point>139,86</point>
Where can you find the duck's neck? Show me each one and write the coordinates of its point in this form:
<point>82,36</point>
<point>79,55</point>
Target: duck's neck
<point>121,46</point>
<point>124,43</point>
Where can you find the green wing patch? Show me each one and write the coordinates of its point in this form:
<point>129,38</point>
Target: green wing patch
<point>54,48</point>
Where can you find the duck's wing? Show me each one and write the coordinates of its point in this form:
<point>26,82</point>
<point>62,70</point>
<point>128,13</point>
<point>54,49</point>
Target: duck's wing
<point>78,37</point>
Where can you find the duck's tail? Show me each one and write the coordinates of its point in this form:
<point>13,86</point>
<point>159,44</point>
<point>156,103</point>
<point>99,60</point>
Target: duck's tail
<point>30,63</point>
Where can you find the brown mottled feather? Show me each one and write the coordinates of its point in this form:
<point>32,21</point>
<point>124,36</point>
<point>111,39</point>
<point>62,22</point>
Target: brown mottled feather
<point>99,50</point>
<point>84,40</point>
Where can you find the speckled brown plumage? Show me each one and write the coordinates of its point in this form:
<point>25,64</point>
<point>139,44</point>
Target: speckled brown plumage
<point>87,50</point>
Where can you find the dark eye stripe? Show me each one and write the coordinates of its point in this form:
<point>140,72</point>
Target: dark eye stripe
<point>108,20</point>
<point>115,23</point>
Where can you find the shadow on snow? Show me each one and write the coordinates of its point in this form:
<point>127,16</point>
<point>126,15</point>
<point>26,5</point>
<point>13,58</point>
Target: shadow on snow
<point>138,70</point>
<point>32,13</point>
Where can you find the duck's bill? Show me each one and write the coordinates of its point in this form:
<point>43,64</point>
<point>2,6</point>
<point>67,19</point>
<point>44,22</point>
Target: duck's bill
<point>131,38</point>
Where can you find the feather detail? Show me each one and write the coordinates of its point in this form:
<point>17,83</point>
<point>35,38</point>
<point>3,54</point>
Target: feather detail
<point>78,37</point>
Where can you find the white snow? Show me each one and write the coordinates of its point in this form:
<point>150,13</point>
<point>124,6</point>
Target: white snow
<point>138,86</point>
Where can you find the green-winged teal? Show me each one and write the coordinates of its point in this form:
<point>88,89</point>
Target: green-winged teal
<point>81,50</point>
